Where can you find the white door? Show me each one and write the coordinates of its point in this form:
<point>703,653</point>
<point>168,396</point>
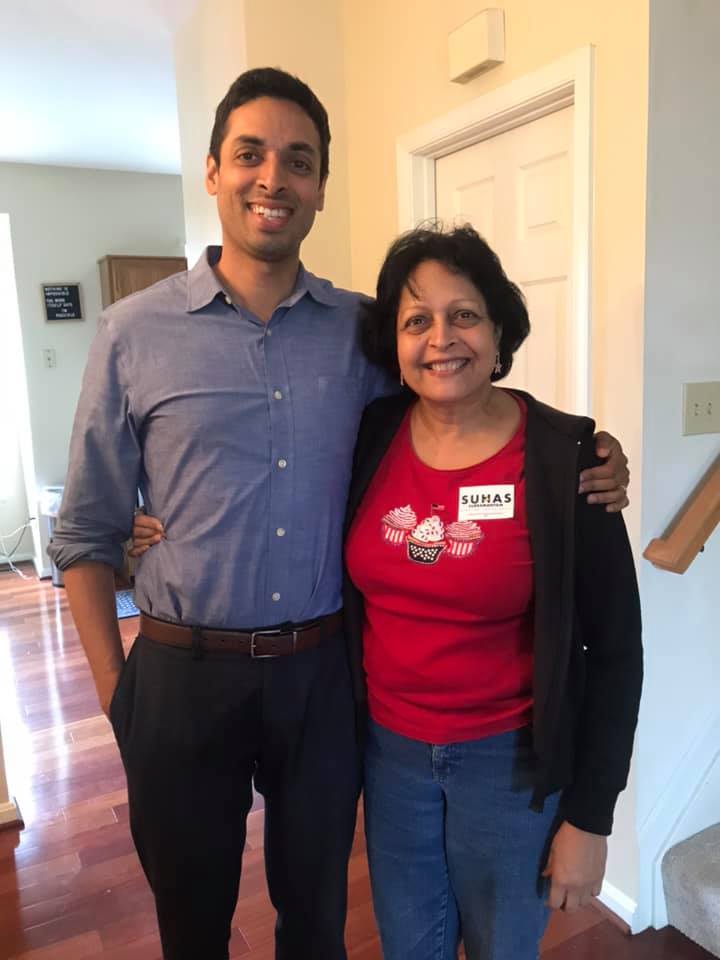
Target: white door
<point>516,190</point>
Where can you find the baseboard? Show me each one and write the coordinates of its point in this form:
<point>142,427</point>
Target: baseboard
<point>10,816</point>
<point>18,558</point>
<point>618,903</point>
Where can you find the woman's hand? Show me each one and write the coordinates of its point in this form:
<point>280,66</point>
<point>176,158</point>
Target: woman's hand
<point>576,867</point>
<point>607,483</point>
<point>146,532</point>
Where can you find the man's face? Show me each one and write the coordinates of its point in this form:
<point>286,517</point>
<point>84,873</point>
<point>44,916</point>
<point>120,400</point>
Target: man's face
<point>267,184</point>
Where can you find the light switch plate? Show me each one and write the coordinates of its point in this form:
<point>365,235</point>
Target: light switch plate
<point>701,408</point>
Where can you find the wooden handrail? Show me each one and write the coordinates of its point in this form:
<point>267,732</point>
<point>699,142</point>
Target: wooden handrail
<point>687,534</point>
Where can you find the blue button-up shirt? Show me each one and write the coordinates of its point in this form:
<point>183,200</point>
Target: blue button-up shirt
<point>239,435</point>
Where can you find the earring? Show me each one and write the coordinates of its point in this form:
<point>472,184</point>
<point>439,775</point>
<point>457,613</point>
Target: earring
<point>402,380</point>
<point>498,365</point>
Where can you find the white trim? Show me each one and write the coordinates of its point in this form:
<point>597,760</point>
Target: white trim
<point>43,571</point>
<point>10,813</point>
<point>560,84</point>
<point>619,902</point>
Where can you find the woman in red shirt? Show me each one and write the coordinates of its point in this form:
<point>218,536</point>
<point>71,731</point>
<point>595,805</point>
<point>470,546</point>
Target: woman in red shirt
<point>492,618</point>
<point>497,618</point>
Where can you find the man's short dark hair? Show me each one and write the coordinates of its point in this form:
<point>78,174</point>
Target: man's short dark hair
<point>462,251</point>
<point>271,82</point>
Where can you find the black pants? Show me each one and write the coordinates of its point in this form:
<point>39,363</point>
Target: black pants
<point>193,733</point>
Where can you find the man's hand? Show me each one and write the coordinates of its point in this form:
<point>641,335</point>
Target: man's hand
<point>607,483</point>
<point>105,686</point>
<point>146,532</point>
<point>576,867</point>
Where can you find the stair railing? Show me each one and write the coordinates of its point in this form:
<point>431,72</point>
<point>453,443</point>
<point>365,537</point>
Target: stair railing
<point>691,528</point>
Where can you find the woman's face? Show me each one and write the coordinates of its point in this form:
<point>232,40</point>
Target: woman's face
<point>446,342</point>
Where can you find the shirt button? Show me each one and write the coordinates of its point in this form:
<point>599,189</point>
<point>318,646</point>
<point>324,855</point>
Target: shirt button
<point>282,464</point>
<point>278,394</point>
<point>268,333</point>
<point>276,597</point>
<point>280,531</point>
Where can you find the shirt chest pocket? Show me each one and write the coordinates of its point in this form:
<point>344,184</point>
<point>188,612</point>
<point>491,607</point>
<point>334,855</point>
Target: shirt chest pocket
<point>339,406</point>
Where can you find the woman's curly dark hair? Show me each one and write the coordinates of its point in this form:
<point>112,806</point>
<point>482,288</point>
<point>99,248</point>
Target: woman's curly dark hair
<point>462,250</point>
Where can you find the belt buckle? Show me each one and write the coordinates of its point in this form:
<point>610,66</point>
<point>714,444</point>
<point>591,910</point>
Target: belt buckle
<point>269,633</point>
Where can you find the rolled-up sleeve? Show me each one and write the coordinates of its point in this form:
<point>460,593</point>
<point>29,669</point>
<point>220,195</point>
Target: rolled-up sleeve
<point>96,515</point>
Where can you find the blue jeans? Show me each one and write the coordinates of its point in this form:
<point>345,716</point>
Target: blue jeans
<point>454,851</point>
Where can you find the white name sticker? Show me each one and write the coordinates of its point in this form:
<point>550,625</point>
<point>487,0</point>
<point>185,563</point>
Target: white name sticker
<point>487,503</point>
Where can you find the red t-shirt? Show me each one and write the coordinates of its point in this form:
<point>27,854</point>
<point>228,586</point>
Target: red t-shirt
<point>443,560</point>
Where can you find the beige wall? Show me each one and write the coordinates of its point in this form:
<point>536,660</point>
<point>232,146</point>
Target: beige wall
<point>209,54</point>
<point>225,37</point>
<point>396,80</point>
<point>319,61</point>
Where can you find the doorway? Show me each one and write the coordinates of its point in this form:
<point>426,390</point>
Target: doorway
<point>16,534</point>
<point>537,213</point>
<point>516,190</point>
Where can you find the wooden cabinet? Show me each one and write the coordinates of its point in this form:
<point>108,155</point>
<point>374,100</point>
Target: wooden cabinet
<point>121,275</point>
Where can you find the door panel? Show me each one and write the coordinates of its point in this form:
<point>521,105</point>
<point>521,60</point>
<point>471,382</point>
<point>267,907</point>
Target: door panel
<point>516,190</point>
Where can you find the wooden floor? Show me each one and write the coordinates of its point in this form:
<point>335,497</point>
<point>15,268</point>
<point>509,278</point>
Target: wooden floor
<point>70,885</point>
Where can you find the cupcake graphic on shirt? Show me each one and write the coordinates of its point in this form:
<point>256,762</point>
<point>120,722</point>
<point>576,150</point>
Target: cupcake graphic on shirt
<point>463,537</point>
<point>397,524</point>
<point>427,541</point>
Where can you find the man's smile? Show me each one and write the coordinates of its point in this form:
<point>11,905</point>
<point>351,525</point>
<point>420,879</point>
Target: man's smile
<point>273,214</point>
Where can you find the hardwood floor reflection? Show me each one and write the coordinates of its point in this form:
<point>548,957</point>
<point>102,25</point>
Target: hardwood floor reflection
<point>71,887</point>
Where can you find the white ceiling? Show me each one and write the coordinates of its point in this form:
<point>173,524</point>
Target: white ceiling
<point>90,83</point>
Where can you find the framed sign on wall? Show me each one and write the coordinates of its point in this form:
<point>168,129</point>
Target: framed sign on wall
<point>62,301</point>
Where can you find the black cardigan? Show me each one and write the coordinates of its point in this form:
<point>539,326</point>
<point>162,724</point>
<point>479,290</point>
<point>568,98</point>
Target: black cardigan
<point>587,649</point>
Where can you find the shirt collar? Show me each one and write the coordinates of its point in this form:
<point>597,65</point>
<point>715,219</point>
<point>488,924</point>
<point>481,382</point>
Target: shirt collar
<point>204,285</point>
<point>322,291</point>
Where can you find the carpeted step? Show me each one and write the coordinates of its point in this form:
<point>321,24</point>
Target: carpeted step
<point>691,877</point>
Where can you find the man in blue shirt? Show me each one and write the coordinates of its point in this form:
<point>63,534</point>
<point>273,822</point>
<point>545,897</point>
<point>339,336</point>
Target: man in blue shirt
<point>230,395</point>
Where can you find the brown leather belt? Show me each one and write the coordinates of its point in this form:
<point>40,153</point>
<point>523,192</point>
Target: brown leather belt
<point>259,644</point>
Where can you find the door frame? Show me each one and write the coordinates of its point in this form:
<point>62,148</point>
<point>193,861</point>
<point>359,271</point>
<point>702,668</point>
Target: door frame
<point>563,83</point>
